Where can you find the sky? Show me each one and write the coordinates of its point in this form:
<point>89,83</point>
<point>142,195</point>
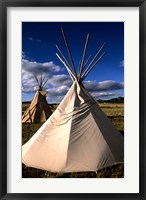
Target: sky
<point>105,81</point>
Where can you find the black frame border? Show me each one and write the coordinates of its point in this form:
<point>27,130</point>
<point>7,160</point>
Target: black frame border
<point>4,4</point>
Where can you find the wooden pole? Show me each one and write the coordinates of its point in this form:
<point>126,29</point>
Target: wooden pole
<point>70,73</point>
<point>65,59</point>
<point>92,67</point>
<point>86,63</point>
<point>83,57</point>
<point>69,52</point>
<point>93,59</point>
<point>45,82</point>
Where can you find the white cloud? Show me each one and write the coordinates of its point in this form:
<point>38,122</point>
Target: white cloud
<point>23,55</point>
<point>105,95</point>
<point>39,68</point>
<point>108,85</point>
<point>59,80</point>
<point>28,82</point>
<point>56,94</point>
<point>58,91</point>
<point>58,85</point>
<point>34,40</point>
<point>37,40</point>
<point>31,39</point>
<point>122,63</point>
<point>57,99</point>
<point>29,68</point>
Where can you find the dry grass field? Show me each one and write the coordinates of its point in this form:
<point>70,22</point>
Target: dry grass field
<point>115,112</point>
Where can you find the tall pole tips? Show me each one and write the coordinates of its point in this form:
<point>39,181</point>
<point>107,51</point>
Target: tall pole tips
<point>83,69</point>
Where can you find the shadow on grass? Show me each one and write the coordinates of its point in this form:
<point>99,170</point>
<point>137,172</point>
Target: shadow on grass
<point>115,171</point>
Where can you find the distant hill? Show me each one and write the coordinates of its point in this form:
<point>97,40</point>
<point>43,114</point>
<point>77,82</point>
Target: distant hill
<point>26,102</point>
<point>115,100</point>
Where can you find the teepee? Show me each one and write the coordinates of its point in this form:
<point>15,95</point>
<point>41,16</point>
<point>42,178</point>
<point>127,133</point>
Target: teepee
<point>78,136</point>
<point>38,111</point>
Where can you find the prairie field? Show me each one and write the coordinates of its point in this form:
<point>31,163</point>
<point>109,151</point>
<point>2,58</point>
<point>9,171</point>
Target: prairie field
<point>114,111</point>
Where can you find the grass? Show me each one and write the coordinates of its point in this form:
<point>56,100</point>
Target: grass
<point>116,171</point>
<point>115,112</point>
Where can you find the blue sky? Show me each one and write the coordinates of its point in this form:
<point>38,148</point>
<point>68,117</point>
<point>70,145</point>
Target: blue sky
<point>105,81</point>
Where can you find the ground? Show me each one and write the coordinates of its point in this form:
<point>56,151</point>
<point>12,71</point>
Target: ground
<point>115,112</point>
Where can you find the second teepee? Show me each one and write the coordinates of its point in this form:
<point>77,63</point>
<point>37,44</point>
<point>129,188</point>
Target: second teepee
<point>39,110</point>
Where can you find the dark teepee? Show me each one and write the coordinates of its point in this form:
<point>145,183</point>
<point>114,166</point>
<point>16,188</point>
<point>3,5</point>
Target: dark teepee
<point>39,110</point>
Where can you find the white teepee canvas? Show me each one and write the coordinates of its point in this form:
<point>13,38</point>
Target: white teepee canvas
<point>78,136</point>
<point>39,110</point>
